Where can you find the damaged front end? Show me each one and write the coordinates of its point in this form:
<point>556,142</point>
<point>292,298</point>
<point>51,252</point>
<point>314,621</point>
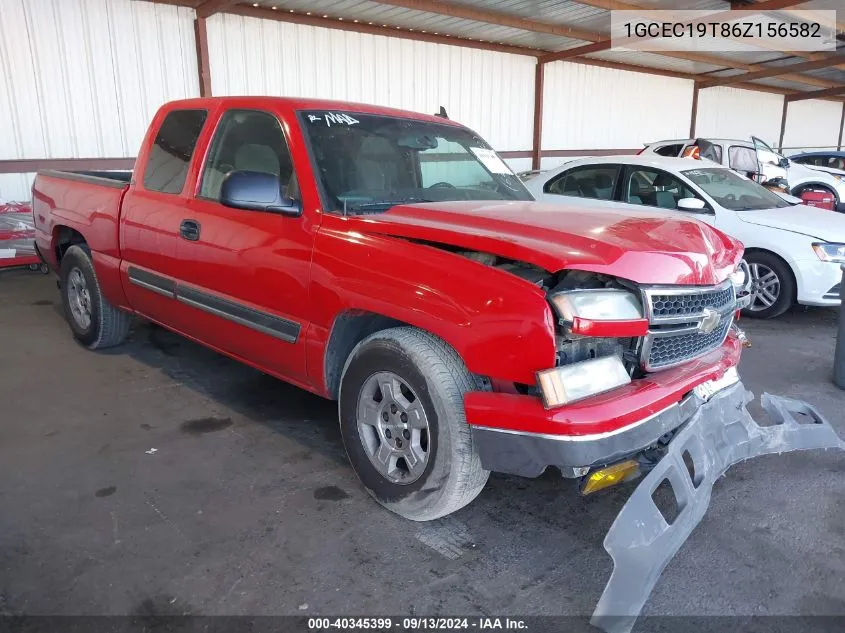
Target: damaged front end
<point>720,433</point>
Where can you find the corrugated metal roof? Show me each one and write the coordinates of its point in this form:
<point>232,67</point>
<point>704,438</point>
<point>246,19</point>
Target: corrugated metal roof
<point>652,60</point>
<point>552,11</point>
<point>383,15</point>
<point>557,13</point>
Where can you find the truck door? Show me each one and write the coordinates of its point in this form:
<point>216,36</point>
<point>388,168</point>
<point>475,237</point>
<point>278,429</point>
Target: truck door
<point>151,212</point>
<point>770,164</point>
<point>244,274</point>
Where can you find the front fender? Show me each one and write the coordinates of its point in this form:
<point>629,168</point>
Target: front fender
<point>500,325</point>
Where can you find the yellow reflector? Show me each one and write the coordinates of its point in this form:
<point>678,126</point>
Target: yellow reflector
<point>610,476</point>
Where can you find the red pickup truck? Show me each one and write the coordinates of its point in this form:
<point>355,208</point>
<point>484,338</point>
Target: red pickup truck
<point>391,261</point>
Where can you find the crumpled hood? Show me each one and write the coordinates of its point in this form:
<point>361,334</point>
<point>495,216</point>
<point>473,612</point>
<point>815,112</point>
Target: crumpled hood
<point>818,223</point>
<point>646,248</point>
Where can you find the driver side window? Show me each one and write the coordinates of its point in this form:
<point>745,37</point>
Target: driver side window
<point>248,140</point>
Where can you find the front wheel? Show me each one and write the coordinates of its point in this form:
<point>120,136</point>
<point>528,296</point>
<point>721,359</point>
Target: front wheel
<point>403,424</point>
<point>93,320</point>
<point>772,286</point>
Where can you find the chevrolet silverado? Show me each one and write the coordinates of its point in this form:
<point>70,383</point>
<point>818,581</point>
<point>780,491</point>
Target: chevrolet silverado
<point>392,261</point>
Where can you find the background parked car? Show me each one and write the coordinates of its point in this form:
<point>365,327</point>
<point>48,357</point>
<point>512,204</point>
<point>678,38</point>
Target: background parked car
<point>830,162</point>
<point>793,252</point>
<point>743,157</point>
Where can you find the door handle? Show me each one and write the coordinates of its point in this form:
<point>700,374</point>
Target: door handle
<point>189,230</point>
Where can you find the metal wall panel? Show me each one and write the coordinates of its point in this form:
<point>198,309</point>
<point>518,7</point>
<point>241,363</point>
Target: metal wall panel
<point>590,107</point>
<point>812,124</point>
<point>725,112</point>
<point>493,93</point>
<point>82,78</point>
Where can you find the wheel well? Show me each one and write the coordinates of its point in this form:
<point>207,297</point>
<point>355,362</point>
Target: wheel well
<point>65,238</point>
<point>751,251</point>
<point>349,329</point>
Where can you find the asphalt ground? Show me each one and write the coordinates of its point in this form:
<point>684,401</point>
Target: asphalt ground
<point>163,478</point>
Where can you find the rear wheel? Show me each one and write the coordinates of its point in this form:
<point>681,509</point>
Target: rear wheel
<point>772,286</point>
<point>403,424</point>
<point>93,320</point>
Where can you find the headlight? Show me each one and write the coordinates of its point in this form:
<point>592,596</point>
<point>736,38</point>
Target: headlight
<point>577,381</point>
<point>597,305</point>
<point>830,252</point>
<point>741,280</point>
<point>739,277</point>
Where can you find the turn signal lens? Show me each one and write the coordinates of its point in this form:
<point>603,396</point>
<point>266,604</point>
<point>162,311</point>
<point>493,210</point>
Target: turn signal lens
<point>577,381</point>
<point>610,476</point>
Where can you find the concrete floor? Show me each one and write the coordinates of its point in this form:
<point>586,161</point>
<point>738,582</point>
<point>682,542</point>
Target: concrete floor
<point>163,478</point>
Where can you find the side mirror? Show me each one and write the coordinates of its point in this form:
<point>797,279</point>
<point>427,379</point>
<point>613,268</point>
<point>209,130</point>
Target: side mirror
<point>694,205</point>
<point>783,162</point>
<point>256,191</point>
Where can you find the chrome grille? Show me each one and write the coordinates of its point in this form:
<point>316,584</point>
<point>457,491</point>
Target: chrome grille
<point>683,305</point>
<point>680,319</point>
<point>670,350</point>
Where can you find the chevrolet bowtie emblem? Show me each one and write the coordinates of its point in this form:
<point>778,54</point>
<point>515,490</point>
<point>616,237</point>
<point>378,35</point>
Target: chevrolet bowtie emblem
<point>709,321</point>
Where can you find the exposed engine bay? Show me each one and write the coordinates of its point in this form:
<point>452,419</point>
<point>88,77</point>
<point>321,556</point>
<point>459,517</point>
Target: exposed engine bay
<point>571,348</point>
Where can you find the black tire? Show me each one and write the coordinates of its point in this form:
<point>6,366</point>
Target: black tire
<point>453,475</point>
<point>108,326</point>
<point>786,280</point>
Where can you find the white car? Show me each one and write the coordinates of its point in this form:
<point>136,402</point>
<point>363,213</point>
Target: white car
<point>793,251</point>
<point>743,156</point>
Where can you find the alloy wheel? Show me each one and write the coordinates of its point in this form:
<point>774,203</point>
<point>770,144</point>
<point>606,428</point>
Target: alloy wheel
<point>79,299</point>
<point>765,287</point>
<point>393,428</point>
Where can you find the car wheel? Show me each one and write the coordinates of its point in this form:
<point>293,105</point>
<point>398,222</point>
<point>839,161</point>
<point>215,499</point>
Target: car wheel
<point>94,321</point>
<point>403,424</point>
<point>772,286</point>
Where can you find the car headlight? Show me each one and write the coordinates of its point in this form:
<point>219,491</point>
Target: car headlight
<point>830,252</point>
<point>739,277</point>
<point>570,383</point>
<point>597,305</point>
<point>741,281</point>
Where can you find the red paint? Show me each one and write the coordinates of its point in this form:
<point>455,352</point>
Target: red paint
<point>819,199</point>
<point>314,268</point>
<point>618,329</point>
<point>641,246</point>
<point>605,412</point>
<point>17,232</point>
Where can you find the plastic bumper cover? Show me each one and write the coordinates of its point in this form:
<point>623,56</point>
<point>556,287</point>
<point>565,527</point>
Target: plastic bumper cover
<point>719,434</point>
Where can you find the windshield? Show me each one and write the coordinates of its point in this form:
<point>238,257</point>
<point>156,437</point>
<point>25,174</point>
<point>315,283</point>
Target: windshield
<point>369,163</point>
<point>733,191</point>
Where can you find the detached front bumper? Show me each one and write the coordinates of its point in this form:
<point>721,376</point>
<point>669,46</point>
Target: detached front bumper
<point>719,434</point>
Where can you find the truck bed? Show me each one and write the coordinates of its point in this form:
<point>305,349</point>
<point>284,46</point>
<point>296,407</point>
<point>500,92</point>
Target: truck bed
<point>117,179</point>
<point>85,202</point>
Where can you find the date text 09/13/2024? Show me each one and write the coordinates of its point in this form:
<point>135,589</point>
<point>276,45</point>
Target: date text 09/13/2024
<point>417,623</point>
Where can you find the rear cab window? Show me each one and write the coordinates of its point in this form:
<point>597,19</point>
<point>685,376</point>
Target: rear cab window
<point>167,164</point>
